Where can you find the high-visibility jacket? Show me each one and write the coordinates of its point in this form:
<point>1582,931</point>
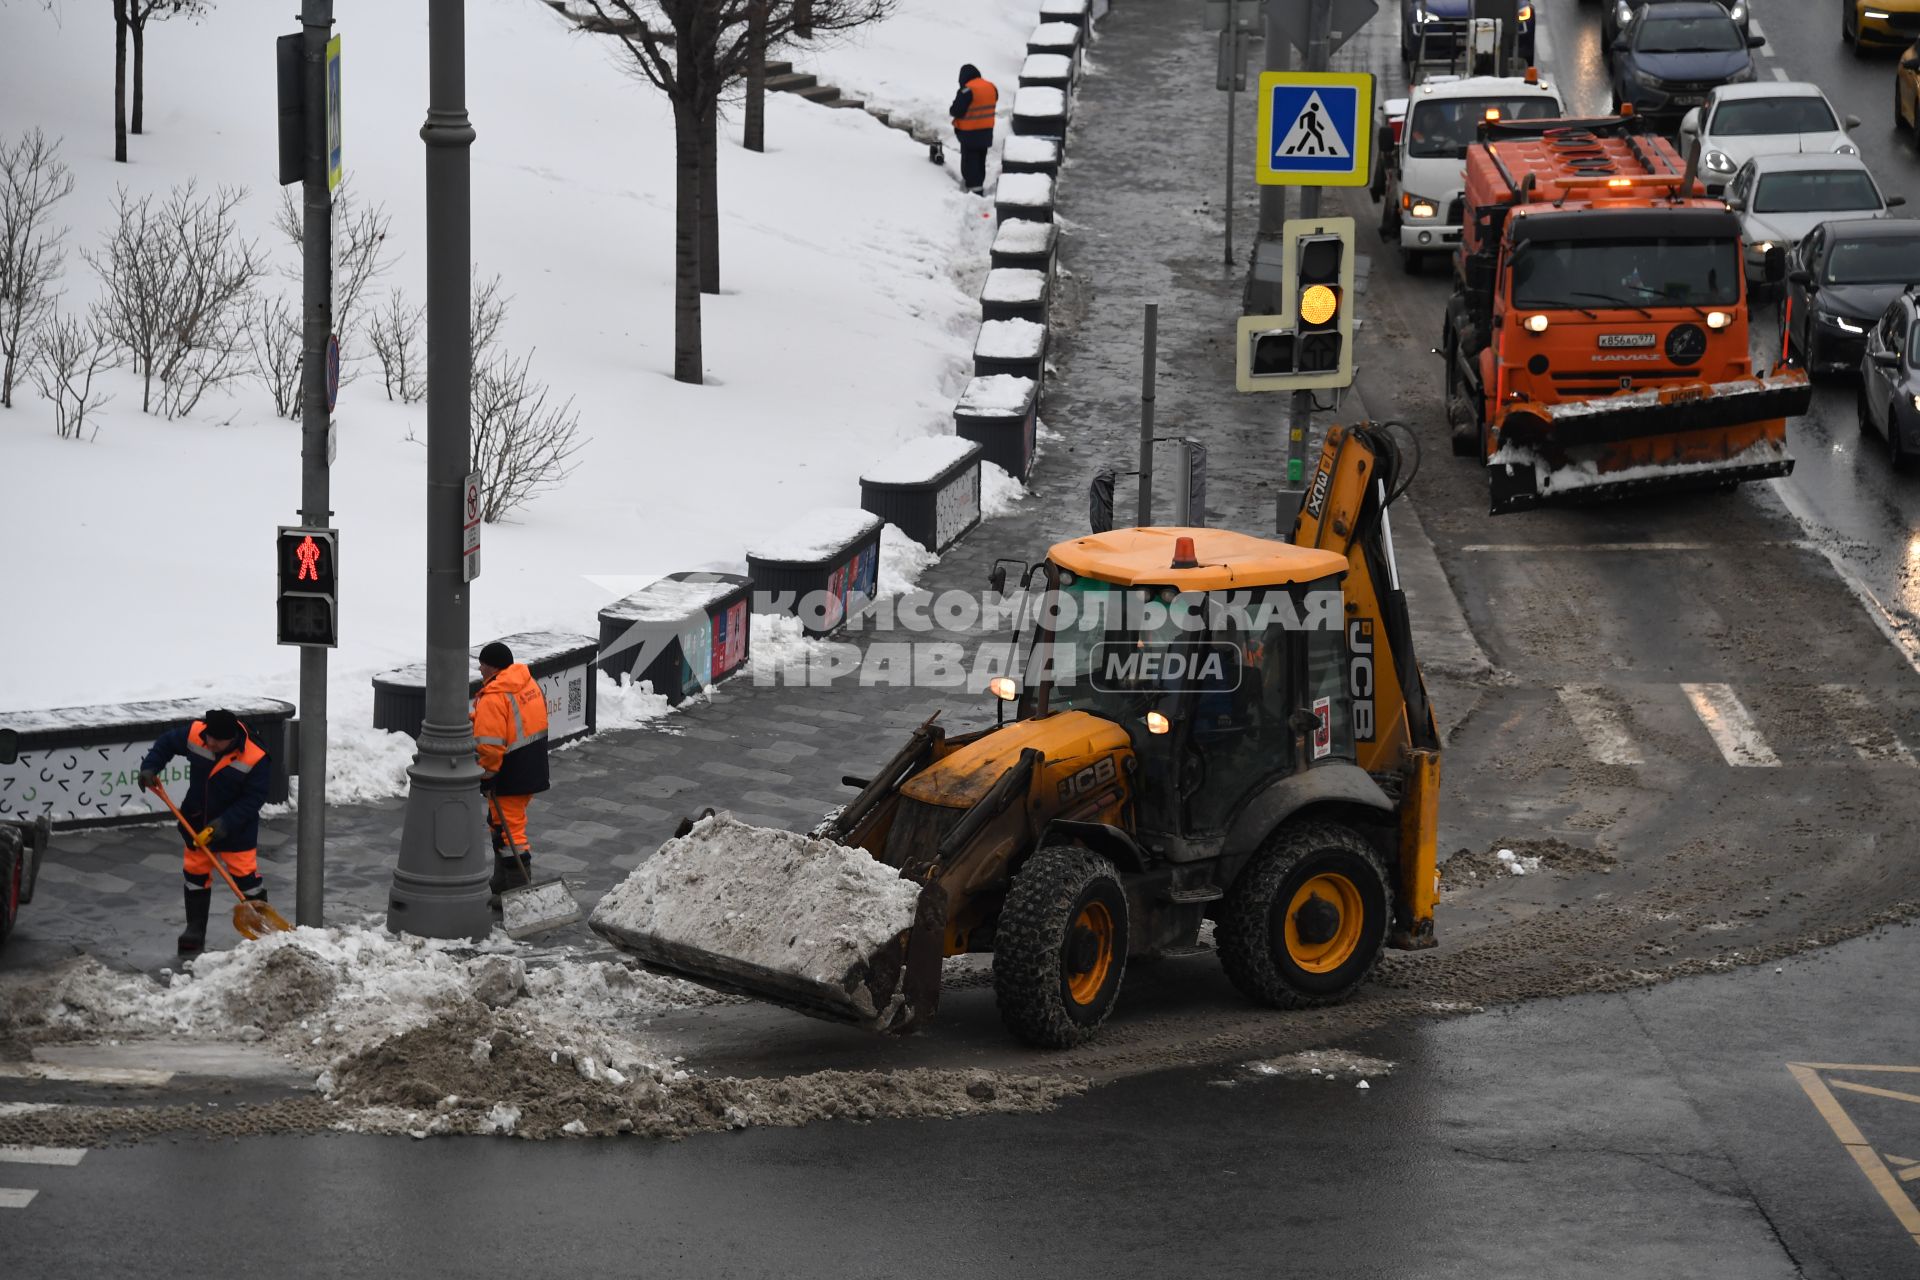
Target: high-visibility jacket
<point>981,99</point>
<point>510,732</point>
<point>225,790</point>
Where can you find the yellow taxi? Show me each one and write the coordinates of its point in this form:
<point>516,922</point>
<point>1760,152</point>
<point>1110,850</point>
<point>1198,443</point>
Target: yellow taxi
<point>1906,92</point>
<point>1879,24</point>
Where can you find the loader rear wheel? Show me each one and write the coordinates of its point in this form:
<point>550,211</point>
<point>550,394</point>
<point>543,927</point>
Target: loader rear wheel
<point>1060,947</point>
<point>1305,922</point>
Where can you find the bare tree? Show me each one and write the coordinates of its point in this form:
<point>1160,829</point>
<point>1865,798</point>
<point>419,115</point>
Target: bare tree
<point>359,258</point>
<point>393,331</point>
<point>176,281</point>
<point>754,126</point>
<point>33,179</point>
<point>68,354</point>
<point>522,443</point>
<point>120,81</point>
<point>139,14</point>
<point>275,341</point>
<point>692,50</point>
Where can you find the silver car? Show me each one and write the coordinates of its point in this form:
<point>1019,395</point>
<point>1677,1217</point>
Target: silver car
<point>1781,198</point>
<point>1741,121</point>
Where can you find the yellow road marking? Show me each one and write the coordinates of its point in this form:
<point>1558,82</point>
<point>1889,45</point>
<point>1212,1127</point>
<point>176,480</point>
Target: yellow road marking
<point>1878,1093</point>
<point>1878,1173</point>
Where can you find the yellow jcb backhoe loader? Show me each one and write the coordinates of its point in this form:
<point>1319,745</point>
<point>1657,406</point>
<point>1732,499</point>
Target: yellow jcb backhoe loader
<point>1212,726</point>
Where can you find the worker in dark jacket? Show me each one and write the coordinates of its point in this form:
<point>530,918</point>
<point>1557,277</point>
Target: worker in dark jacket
<point>510,739</point>
<point>228,776</point>
<point>972,113</point>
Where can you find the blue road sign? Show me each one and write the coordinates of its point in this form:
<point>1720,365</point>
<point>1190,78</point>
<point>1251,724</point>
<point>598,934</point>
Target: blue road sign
<point>1314,128</point>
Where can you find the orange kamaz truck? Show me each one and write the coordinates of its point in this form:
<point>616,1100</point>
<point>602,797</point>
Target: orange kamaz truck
<point>1596,340</point>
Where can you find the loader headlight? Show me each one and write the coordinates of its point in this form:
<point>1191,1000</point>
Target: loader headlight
<point>1525,14</point>
<point>1718,162</point>
<point>1878,15</point>
<point>1718,319</point>
<point>1157,723</point>
<point>1536,323</point>
<point>1004,688</point>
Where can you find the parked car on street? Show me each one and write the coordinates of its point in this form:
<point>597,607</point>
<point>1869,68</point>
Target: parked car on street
<point>1906,93</point>
<point>1741,121</point>
<point>1668,62</point>
<point>1781,198</point>
<point>1840,280</point>
<point>1617,15</point>
<point>1890,378</point>
<point>1868,25</point>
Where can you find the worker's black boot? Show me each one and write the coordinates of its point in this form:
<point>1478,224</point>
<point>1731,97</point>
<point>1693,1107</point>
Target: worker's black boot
<point>508,873</point>
<point>194,939</point>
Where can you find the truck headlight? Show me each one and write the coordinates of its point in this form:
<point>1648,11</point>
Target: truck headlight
<point>1718,162</point>
<point>1421,208</point>
<point>1526,14</point>
<point>1718,319</point>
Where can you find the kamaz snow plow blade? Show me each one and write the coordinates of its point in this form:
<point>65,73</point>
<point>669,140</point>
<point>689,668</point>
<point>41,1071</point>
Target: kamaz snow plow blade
<point>1696,435</point>
<point>809,924</point>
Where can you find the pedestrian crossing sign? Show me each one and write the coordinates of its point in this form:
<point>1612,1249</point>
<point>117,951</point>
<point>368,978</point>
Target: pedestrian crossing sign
<point>1314,129</point>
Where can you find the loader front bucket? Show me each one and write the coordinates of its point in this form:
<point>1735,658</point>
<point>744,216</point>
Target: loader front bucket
<point>808,924</point>
<point>1692,436</point>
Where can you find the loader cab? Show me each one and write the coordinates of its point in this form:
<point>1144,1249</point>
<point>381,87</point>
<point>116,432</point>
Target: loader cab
<point>1224,681</point>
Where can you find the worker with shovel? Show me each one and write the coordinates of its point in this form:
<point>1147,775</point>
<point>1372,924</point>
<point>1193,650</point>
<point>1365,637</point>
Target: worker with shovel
<point>228,776</point>
<point>510,738</point>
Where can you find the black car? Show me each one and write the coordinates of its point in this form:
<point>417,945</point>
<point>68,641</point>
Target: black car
<point>1667,62</point>
<point>1840,278</point>
<point>1890,378</point>
<point>1617,15</point>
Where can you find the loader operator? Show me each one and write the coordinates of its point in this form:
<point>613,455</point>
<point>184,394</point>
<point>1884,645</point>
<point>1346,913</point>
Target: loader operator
<point>510,739</point>
<point>228,776</point>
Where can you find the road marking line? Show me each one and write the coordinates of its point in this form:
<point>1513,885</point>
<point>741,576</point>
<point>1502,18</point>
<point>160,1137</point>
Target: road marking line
<point>1779,73</point>
<point>1859,1066</point>
<point>1753,28</point>
<point>26,1108</point>
<point>1895,1094</point>
<point>11,1154</point>
<point>1856,701</point>
<point>83,1075</point>
<point>1601,725</point>
<point>16,1197</point>
<point>1731,726</point>
<point>1904,1210</point>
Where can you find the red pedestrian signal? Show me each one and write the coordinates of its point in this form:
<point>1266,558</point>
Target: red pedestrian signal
<point>306,609</point>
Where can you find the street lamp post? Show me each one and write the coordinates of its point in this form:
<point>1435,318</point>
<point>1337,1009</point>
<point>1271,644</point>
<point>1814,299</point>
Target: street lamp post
<point>440,885</point>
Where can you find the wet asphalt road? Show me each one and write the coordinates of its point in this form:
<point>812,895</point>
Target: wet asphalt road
<point>1650,1134</point>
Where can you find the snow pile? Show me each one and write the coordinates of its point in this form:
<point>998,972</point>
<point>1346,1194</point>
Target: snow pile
<point>1025,188</point>
<point>1041,66</point>
<point>626,705</point>
<point>999,491</point>
<point>1033,148</point>
<point>1039,102</point>
<point>919,461</point>
<point>816,535</point>
<point>1023,236</point>
<point>810,908</point>
<point>1014,284</point>
<point>902,561</point>
<point>1516,865</point>
<point>1055,35</point>
<point>1327,1064</point>
<point>997,394</point>
<point>1587,474</point>
<point>1011,340</point>
<point>1064,8</point>
<point>780,643</point>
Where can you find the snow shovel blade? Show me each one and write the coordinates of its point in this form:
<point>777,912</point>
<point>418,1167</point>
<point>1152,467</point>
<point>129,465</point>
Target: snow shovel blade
<point>253,919</point>
<point>538,907</point>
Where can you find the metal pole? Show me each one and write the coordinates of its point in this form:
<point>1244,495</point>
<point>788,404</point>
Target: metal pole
<point>1149,350</point>
<point>1273,200</point>
<point>1233,109</point>
<point>1300,412</point>
<point>440,884</point>
<point>316,506</point>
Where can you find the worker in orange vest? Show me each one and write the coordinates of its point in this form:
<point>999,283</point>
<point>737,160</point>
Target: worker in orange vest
<point>972,113</point>
<point>228,778</point>
<point>510,738</point>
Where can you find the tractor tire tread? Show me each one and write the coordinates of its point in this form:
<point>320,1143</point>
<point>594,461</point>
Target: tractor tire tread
<point>1242,936</point>
<point>1027,942</point>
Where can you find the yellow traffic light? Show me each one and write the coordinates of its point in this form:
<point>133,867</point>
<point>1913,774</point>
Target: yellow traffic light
<point>1318,303</point>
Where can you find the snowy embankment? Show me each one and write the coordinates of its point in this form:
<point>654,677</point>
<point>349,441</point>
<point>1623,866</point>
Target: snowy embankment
<point>410,1036</point>
<point>845,326</point>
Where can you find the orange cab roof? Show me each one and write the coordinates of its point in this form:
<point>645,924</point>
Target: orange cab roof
<point>1144,557</point>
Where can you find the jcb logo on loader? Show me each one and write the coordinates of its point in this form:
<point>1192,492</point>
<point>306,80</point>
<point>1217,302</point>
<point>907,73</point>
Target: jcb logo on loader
<point>1360,676</point>
<point>1089,779</point>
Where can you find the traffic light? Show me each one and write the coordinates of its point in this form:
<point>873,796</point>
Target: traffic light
<point>1310,343</point>
<point>306,571</point>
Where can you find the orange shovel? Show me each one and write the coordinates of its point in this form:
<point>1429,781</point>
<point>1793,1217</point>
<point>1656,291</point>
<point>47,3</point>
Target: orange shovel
<point>250,918</point>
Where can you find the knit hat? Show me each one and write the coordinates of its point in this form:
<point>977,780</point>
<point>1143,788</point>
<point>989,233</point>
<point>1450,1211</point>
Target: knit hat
<point>496,655</point>
<point>969,72</point>
<point>222,724</point>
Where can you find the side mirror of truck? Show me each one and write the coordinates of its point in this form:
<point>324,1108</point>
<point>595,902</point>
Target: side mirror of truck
<point>1775,269</point>
<point>1802,278</point>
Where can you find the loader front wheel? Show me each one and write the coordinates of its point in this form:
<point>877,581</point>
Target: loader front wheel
<point>1305,922</point>
<point>1060,947</point>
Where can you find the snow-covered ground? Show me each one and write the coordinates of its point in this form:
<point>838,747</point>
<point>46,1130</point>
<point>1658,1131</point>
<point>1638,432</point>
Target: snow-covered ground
<point>846,324</point>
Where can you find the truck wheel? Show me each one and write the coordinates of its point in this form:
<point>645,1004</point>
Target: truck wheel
<point>1305,922</point>
<point>1060,947</point>
<point>13,864</point>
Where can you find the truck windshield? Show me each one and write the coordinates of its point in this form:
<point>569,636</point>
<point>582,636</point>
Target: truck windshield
<point>1653,271</point>
<point>1443,130</point>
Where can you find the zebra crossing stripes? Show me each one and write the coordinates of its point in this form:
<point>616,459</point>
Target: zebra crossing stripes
<point>1731,726</point>
<point>21,1197</point>
<point>1811,725</point>
<point>1602,726</point>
